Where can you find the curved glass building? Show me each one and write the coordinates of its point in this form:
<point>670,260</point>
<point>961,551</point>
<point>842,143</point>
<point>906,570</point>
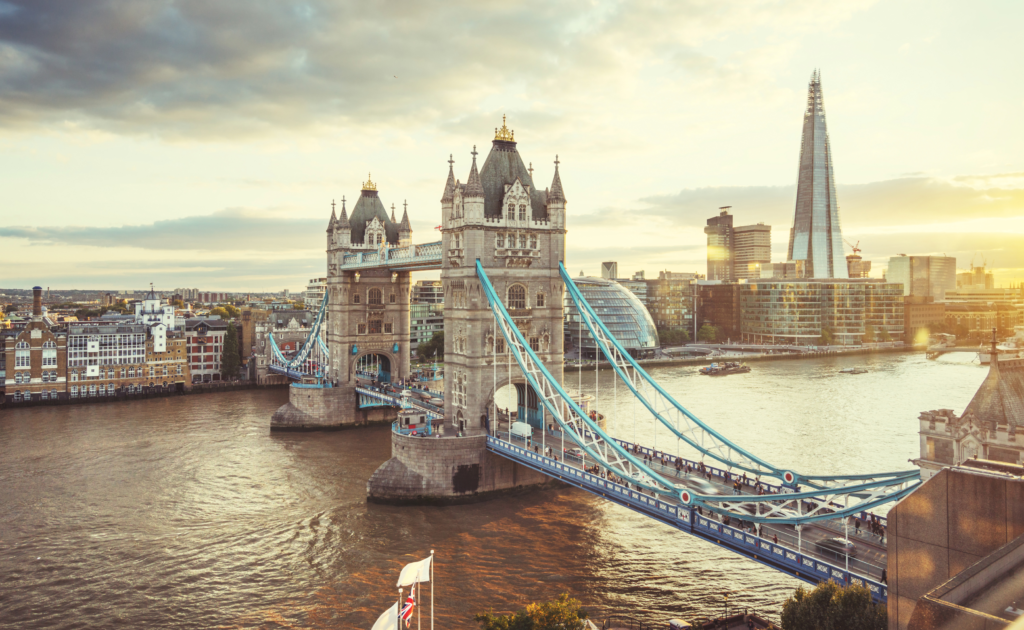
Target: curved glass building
<point>622,312</point>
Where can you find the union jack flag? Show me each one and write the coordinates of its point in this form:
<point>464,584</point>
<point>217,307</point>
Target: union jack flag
<point>410,603</point>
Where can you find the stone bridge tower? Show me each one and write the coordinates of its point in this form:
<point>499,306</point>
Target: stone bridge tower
<point>517,231</point>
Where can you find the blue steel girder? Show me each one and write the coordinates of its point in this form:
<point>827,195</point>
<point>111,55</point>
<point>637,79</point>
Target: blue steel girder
<point>313,347</point>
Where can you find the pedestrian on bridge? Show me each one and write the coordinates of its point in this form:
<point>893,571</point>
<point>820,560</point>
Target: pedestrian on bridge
<point>856,526</point>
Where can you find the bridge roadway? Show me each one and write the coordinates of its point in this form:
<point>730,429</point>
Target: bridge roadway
<point>789,554</point>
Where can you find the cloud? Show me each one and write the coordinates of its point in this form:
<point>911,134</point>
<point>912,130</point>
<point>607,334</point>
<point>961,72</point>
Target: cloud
<point>194,68</point>
<point>226,230</point>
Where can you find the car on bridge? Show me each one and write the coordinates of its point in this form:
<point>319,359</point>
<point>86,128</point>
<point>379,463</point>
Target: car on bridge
<point>838,548</point>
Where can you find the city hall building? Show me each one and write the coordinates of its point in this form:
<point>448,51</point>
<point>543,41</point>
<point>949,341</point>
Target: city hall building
<point>776,311</point>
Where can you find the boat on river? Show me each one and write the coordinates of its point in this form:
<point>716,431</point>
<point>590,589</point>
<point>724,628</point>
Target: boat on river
<point>853,370</point>
<point>724,369</point>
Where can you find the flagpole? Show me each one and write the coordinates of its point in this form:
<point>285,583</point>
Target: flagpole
<point>432,585</point>
<point>419,610</point>
<point>398,623</point>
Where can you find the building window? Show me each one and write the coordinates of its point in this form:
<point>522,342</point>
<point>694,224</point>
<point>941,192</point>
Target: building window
<point>361,329</point>
<point>355,298</point>
<point>392,298</point>
<point>500,241</point>
<point>522,241</point>
<point>517,296</point>
<point>374,296</point>
<point>534,343</point>
<point>499,345</point>
<point>389,328</point>
<point>74,391</point>
<point>522,212</point>
<point>17,396</point>
<point>533,242</point>
<point>376,325</point>
<point>511,210</point>
<point>540,299</point>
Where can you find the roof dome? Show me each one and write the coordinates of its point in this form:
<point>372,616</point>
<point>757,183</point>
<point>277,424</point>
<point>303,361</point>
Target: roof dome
<point>368,207</point>
<point>622,312</point>
<point>502,167</point>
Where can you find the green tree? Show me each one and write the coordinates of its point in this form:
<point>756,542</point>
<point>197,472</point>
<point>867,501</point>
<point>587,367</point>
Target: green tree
<point>673,336</point>
<point>826,337</point>
<point>885,336</point>
<point>869,334</point>
<point>427,350</point>
<point>564,613</point>
<point>707,333</point>
<point>833,607</point>
<point>231,310</point>
<point>230,359</point>
<point>221,311</point>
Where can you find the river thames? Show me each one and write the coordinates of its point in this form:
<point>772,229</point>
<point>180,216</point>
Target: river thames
<point>187,513</point>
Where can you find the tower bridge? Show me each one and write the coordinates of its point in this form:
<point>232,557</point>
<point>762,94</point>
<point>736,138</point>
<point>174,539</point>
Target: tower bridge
<point>501,259</point>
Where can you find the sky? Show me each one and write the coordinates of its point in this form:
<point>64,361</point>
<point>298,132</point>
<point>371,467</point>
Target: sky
<point>200,144</point>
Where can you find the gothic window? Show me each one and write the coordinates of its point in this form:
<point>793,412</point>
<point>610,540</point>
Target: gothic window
<point>540,299</point>
<point>374,296</point>
<point>361,329</point>
<point>533,242</point>
<point>517,296</point>
<point>499,346</point>
<point>378,239</point>
<point>376,326</point>
<point>522,241</point>
<point>522,212</point>
<point>391,298</point>
<point>534,344</point>
<point>511,210</point>
<point>389,328</point>
<point>355,298</point>
<point>500,241</point>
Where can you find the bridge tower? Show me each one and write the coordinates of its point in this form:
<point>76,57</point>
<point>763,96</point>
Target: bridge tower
<point>517,231</point>
<point>367,327</point>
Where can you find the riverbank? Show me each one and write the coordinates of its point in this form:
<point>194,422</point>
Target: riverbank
<point>199,388</point>
<point>788,356</point>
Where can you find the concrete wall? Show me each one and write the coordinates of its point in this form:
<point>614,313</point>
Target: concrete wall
<point>312,409</point>
<point>953,520</point>
<point>425,470</point>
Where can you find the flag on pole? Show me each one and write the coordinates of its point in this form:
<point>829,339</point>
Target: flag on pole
<point>410,603</point>
<point>415,572</point>
<point>388,620</point>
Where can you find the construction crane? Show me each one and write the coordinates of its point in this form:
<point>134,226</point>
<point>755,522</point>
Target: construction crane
<point>855,248</point>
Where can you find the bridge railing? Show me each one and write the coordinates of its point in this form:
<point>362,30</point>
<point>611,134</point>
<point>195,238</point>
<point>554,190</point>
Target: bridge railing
<point>803,566</point>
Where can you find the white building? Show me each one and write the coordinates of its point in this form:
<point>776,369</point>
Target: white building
<point>315,293</point>
<point>157,316</point>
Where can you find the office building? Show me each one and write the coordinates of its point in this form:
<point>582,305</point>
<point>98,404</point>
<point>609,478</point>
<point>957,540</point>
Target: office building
<point>816,237</point>
<point>670,300</point>
<point>425,319</point>
<point>976,278</point>
<point>314,295</point>
<point>428,292</point>
<point>719,306</point>
<point>799,311</point>
<point>857,267</point>
<point>205,348</point>
<point>610,270</point>
<point>35,362</point>
<point>106,359</point>
<point>790,270</point>
<point>636,285</point>
<point>752,248</point>
<point>923,276</point>
<point>920,315</point>
<point>719,232</point>
<point>622,312</point>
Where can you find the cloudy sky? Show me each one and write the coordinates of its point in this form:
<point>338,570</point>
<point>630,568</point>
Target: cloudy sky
<point>201,143</point>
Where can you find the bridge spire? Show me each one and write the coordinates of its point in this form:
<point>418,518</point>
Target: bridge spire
<point>343,219</point>
<point>449,186</point>
<point>393,213</point>
<point>556,193</point>
<point>473,186</point>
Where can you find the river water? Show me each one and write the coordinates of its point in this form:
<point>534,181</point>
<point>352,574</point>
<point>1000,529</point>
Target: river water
<point>187,513</point>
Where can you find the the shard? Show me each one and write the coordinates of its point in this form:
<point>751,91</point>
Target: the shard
<point>816,237</point>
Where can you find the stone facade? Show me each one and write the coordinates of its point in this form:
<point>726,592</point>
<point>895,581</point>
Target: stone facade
<point>517,232</point>
<point>446,470</point>
<point>320,408</point>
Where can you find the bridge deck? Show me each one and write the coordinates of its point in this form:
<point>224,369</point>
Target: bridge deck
<point>786,555</point>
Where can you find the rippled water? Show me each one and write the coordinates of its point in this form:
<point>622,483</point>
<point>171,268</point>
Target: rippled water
<point>187,513</point>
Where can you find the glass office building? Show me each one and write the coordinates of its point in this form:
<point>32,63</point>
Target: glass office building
<point>621,311</point>
<point>797,311</point>
<point>924,276</point>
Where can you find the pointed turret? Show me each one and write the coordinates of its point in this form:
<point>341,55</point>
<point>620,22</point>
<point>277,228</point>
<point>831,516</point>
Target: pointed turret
<point>342,222</point>
<point>405,227</point>
<point>449,186</point>
<point>556,193</point>
<point>393,214</point>
<point>334,219</point>
<point>342,228</point>
<point>473,186</point>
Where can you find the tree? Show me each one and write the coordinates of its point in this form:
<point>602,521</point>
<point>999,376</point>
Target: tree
<point>835,607</point>
<point>231,310</point>
<point>869,334</point>
<point>564,613</point>
<point>230,359</point>
<point>220,311</point>
<point>673,336</point>
<point>826,337</point>
<point>885,336</point>
<point>428,349</point>
<point>707,333</point>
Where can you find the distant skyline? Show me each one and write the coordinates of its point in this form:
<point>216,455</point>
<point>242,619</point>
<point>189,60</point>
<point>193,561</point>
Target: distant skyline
<point>201,144</point>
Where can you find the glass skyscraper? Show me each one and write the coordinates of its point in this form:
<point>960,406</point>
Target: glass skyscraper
<point>816,237</point>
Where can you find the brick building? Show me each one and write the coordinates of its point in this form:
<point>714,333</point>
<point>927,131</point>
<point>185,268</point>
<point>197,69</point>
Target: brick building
<point>35,362</point>
<point>205,347</point>
<point>920,314</point>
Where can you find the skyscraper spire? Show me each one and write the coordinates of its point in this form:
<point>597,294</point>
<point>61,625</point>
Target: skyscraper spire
<point>816,236</point>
